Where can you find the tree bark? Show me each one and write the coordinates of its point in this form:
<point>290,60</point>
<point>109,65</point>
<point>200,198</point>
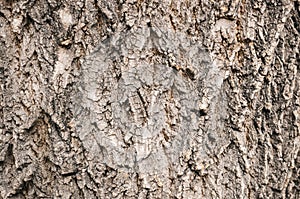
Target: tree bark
<point>149,99</point>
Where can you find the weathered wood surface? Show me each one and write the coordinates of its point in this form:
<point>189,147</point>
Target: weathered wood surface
<point>149,99</point>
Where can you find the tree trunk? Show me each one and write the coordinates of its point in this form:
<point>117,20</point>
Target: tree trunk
<point>149,99</point>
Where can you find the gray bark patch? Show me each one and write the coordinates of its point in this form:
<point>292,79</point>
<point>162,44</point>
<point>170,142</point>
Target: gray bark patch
<point>143,97</point>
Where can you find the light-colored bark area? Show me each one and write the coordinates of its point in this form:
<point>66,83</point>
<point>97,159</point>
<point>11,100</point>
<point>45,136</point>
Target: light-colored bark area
<point>149,99</point>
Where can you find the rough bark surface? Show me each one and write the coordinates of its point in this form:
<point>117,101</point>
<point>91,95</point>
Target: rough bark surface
<point>149,99</point>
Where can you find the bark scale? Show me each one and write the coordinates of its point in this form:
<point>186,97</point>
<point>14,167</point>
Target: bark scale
<point>149,99</point>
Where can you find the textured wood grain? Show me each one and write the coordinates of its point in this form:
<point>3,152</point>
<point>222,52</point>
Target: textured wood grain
<point>149,99</point>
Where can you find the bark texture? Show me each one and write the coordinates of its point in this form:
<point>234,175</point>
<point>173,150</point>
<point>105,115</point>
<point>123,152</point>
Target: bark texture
<point>149,99</point>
